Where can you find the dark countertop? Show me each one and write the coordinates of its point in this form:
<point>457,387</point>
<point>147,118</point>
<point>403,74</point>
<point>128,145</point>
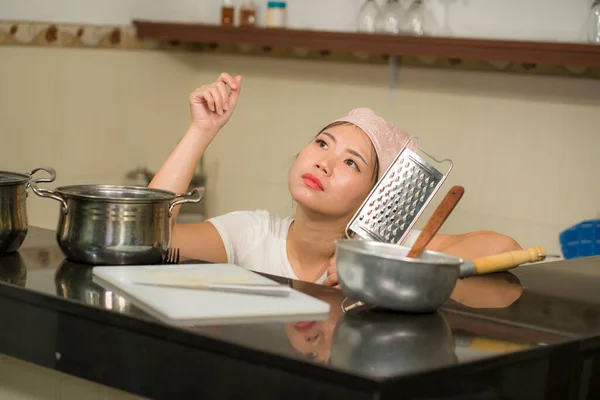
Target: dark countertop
<point>542,345</point>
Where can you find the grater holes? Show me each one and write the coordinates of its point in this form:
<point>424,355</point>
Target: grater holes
<point>422,199</point>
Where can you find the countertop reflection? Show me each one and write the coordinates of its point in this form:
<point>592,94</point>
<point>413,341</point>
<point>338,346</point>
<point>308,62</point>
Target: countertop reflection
<point>484,320</point>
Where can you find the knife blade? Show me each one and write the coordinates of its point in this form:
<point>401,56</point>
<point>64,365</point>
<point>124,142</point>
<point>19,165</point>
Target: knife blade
<point>263,289</point>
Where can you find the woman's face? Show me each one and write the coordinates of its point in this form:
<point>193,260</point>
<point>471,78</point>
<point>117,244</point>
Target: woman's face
<point>335,172</point>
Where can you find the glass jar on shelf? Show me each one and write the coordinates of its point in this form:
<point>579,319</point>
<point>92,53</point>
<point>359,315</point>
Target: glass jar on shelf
<point>276,14</point>
<point>248,13</point>
<point>227,13</point>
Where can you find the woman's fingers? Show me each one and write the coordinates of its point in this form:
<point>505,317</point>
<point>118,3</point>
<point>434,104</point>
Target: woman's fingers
<point>229,80</point>
<point>220,86</point>
<point>235,92</point>
<point>218,98</point>
<point>210,102</point>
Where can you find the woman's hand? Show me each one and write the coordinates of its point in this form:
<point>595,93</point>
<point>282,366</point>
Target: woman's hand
<point>212,105</point>
<point>332,278</point>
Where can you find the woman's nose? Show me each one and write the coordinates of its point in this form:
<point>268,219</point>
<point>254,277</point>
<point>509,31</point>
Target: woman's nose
<point>326,165</point>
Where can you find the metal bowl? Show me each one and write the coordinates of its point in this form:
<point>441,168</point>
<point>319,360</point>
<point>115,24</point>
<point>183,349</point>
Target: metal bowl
<point>381,275</point>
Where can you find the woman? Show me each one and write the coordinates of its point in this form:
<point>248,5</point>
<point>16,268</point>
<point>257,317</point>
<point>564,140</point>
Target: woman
<point>329,180</point>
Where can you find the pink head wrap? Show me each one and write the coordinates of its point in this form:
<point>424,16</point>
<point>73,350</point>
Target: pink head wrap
<point>387,139</point>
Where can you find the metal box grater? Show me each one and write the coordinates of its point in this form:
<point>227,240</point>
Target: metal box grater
<point>398,198</point>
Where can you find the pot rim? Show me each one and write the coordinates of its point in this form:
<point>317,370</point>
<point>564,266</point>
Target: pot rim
<point>10,178</point>
<point>150,195</point>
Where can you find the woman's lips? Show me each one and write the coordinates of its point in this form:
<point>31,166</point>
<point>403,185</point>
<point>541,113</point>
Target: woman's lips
<point>304,326</point>
<point>312,182</point>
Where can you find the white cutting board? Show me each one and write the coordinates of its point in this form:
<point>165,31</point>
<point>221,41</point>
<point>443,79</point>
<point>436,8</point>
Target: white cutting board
<point>184,307</point>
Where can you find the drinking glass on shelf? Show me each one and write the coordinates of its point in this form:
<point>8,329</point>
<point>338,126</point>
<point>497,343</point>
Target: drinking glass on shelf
<point>418,20</point>
<point>445,29</point>
<point>368,17</point>
<point>593,23</point>
<point>391,17</point>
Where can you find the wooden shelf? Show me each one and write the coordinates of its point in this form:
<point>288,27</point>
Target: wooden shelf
<point>525,52</point>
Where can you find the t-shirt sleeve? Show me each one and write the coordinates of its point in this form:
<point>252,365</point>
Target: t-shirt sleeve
<point>239,231</point>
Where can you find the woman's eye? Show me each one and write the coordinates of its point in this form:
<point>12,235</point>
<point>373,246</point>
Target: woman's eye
<point>352,163</point>
<point>322,143</point>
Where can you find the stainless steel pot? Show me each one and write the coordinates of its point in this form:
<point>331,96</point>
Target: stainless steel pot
<point>13,207</point>
<point>115,225</point>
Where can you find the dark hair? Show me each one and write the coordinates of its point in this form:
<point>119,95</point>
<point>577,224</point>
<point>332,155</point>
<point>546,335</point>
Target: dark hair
<point>376,166</point>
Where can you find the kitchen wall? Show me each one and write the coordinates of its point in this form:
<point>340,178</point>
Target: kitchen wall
<point>525,147</point>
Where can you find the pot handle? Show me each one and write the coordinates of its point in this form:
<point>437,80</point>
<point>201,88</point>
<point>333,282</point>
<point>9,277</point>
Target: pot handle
<point>49,193</point>
<point>49,170</point>
<point>193,196</point>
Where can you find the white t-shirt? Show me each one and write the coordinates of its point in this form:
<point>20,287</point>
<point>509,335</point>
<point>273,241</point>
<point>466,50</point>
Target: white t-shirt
<point>256,240</point>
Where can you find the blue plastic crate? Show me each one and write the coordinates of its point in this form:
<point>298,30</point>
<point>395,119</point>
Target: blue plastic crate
<point>581,240</point>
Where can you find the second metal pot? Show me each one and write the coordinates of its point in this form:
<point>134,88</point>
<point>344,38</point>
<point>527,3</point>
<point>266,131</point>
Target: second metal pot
<point>115,225</point>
